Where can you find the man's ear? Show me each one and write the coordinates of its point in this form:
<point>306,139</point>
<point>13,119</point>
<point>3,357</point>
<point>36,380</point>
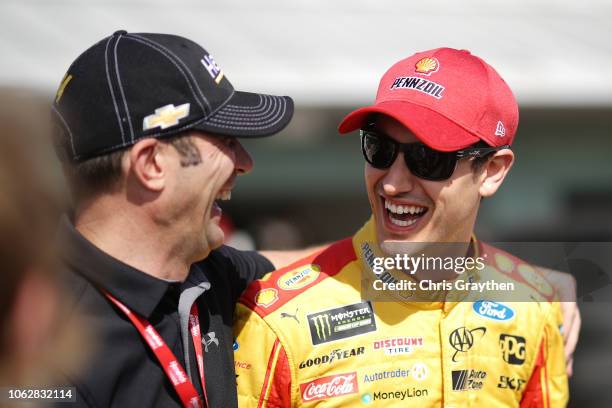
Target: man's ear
<point>494,172</point>
<point>147,164</point>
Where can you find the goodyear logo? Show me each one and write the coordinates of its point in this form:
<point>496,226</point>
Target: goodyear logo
<point>341,323</point>
<point>299,278</point>
<point>266,297</point>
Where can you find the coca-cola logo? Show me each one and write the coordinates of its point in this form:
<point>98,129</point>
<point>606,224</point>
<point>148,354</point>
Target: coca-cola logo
<point>329,387</point>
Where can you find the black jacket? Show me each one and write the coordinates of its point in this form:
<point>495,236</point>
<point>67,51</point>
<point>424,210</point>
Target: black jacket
<point>123,372</point>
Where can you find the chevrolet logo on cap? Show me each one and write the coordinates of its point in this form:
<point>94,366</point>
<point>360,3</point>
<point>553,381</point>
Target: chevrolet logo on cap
<point>166,116</point>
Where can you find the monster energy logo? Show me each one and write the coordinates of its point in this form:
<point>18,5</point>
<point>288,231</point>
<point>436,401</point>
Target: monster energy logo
<point>342,322</point>
<point>321,323</point>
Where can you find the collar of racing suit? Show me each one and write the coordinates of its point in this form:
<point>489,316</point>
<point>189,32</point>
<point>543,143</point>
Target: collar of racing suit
<point>367,248</point>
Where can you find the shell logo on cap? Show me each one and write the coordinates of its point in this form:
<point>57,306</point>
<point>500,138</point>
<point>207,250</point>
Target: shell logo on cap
<point>426,66</point>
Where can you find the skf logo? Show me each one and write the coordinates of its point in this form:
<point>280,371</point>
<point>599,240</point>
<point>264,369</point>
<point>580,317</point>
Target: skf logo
<point>462,339</point>
<point>426,66</point>
<point>513,384</point>
<point>322,327</point>
<point>213,69</point>
<point>513,348</point>
<point>266,297</point>
<point>166,116</point>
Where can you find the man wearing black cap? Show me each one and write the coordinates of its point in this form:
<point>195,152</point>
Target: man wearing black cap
<point>147,127</point>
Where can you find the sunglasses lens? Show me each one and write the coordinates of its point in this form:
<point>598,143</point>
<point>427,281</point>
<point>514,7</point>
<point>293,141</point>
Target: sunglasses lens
<point>430,164</point>
<point>378,150</point>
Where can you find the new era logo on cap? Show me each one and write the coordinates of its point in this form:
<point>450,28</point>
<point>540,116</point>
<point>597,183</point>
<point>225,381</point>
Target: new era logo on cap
<point>500,130</point>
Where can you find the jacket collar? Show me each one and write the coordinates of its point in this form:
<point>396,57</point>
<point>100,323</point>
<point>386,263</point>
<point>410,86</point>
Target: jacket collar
<point>139,291</point>
<point>366,246</point>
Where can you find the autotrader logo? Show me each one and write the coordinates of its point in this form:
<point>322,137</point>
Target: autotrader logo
<point>462,339</point>
<point>513,348</point>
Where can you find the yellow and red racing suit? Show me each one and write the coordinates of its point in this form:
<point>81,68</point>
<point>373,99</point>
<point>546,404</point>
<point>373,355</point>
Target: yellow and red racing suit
<point>305,336</point>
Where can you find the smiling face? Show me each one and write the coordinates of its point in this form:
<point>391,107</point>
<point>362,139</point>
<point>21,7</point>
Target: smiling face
<point>409,209</point>
<point>205,176</point>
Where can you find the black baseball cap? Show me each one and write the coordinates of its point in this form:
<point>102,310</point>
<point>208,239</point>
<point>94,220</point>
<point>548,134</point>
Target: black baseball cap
<point>131,86</point>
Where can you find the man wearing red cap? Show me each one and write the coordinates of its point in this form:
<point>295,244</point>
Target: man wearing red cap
<point>352,325</point>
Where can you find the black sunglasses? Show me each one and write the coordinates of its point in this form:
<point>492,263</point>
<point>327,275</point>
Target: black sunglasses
<point>424,162</point>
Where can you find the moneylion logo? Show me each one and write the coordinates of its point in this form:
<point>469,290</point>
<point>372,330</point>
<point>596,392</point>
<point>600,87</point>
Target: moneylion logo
<point>321,323</point>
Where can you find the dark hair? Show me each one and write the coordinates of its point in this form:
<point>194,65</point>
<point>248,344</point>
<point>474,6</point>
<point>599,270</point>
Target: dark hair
<point>101,174</point>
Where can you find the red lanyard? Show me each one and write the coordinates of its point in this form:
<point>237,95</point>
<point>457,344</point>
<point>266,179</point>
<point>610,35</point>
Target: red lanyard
<point>175,372</point>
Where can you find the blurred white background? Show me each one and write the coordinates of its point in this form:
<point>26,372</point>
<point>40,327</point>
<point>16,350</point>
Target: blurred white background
<point>329,55</point>
<point>551,52</point>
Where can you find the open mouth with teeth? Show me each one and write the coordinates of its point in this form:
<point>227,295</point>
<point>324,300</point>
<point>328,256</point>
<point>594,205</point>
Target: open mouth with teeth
<point>223,195</point>
<point>401,216</point>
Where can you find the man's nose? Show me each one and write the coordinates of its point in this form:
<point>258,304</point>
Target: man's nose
<point>398,178</point>
<point>244,161</point>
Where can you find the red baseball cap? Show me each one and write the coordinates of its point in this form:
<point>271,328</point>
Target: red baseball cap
<point>450,99</point>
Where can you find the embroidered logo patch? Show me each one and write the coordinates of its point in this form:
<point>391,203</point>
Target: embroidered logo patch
<point>299,278</point>
<point>213,69</point>
<point>341,322</point>
<point>426,66</point>
<point>419,84</point>
<point>266,297</point>
<point>166,116</point>
<point>500,130</point>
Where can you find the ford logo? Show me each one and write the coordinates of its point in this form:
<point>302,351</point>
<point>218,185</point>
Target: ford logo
<point>493,310</point>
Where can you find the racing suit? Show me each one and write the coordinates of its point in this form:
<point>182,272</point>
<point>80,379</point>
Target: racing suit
<point>306,336</point>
